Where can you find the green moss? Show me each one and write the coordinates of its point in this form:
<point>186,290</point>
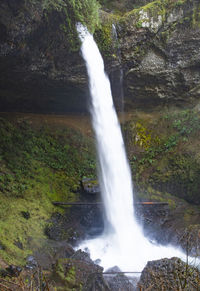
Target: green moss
<point>144,13</point>
<point>166,154</point>
<point>116,6</point>
<point>196,16</point>
<point>70,12</point>
<point>15,229</point>
<point>65,273</point>
<point>151,14</point>
<point>104,37</point>
<point>53,5</point>
<point>37,166</point>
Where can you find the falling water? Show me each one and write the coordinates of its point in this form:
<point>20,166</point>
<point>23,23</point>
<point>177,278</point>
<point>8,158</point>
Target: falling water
<point>122,243</point>
<point>118,86</point>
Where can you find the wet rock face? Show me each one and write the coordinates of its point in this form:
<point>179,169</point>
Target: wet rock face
<point>90,186</point>
<point>76,225</point>
<point>78,271</point>
<point>41,71</point>
<point>189,239</point>
<point>169,274</point>
<point>160,53</point>
<point>119,282</point>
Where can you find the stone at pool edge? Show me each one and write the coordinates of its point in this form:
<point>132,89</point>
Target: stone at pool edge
<point>169,274</point>
<point>90,186</point>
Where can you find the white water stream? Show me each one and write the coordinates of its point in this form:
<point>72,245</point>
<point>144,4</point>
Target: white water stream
<point>123,243</point>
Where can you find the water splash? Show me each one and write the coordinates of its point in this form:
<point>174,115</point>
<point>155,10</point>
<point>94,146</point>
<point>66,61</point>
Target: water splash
<point>123,243</point>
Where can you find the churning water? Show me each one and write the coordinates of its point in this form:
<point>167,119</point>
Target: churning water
<point>122,243</point>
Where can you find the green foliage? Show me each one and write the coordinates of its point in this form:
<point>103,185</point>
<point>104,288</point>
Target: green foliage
<point>86,12</point>
<point>72,12</point>
<point>186,122</point>
<point>65,272</point>
<point>165,154</point>
<point>53,5</point>
<point>103,36</point>
<point>116,6</point>
<point>23,150</point>
<point>153,9</point>
<point>37,166</point>
<point>196,16</point>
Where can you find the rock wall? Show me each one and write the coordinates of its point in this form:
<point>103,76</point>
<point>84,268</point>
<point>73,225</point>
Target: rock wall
<point>157,47</point>
<point>39,68</point>
<point>160,52</point>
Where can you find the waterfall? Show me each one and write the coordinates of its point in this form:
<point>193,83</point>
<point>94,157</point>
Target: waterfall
<point>118,86</point>
<point>122,243</point>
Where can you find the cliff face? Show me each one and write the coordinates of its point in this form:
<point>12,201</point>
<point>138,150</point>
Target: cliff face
<point>160,52</point>
<point>42,70</point>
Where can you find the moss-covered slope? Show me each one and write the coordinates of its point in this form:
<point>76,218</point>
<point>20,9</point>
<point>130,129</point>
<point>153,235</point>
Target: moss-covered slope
<point>37,166</point>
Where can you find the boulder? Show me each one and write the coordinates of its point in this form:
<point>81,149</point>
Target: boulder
<point>76,272</point>
<point>169,274</point>
<point>90,186</point>
<point>118,282</point>
<point>189,239</point>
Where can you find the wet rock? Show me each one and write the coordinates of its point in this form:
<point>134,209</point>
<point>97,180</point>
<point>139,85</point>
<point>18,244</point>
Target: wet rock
<point>76,271</point>
<point>92,220</point>
<point>59,227</point>
<point>2,247</point>
<point>160,56</point>
<point>90,186</point>
<point>163,225</point>
<point>119,282</point>
<point>82,221</point>
<point>154,219</point>
<point>56,70</point>
<point>26,214</point>
<point>51,251</point>
<point>114,269</point>
<point>82,256</point>
<point>189,239</point>
<point>31,263</point>
<point>169,274</point>
<point>19,245</point>
<point>13,271</point>
<point>95,281</point>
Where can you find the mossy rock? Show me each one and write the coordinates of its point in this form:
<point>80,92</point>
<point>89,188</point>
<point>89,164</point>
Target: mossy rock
<point>75,271</point>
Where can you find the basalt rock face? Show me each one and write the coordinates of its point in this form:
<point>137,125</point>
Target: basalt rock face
<point>160,52</point>
<point>41,70</point>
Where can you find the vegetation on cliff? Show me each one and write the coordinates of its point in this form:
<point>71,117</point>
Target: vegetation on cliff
<point>37,166</point>
<point>164,153</point>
